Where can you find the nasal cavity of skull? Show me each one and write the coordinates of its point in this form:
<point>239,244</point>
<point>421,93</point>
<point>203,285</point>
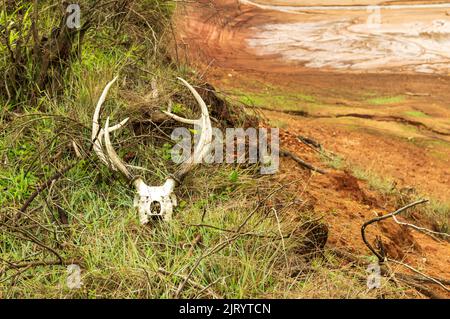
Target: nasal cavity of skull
<point>155,208</point>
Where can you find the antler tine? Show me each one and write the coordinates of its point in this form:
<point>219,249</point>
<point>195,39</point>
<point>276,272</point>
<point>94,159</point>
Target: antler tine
<point>101,100</point>
<point>179,118</point>
<point>98,142</point>
<point>200,102</point>
<point>97,131</point>
<point>205,139</point>
<point>112,155</point>
<point>176,117</point>
<point>197,96</point>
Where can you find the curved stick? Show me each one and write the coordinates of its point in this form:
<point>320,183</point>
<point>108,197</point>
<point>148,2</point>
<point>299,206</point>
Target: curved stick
<point>378,219</point>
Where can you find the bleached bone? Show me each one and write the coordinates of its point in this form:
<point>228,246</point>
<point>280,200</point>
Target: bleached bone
<point>97,132</point>
<point>152,201</point>
<point>204,125</point>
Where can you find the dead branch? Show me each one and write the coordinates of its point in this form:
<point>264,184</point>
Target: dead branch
<point>417,94</point>
<point>31,238</point>
<point>362,261</point>
<point>38,263</point>
<point>301,162</point>
<point>378,219</point>
<point>421,289</point>
<point>243,234</point>
<point>43,187</point>
<point>309,142</point>
<point>411,280</point>
<point>382,258</point>
<point>429,279</point>
<point>420,273</point>
<point>421,229</point>
<point>315,146</point>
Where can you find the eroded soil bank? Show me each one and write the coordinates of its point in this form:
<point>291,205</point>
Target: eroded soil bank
<point>377,98</point>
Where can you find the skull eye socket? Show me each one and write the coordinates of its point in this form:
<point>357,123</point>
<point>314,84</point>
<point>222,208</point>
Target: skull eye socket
<point>155,208</point>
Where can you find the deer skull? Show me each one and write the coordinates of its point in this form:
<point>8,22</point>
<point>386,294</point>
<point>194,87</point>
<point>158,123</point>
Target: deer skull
<point>151,201</point>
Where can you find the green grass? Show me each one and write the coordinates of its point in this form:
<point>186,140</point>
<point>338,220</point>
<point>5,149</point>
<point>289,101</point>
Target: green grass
<point>15,185</point>
<point>121,259</point>
<point>118,257</point>
<point>386,100</point>
<point>439,213</point>
<point>376,182</point>
<point>336,162</point>
<point>271,98</point>
<point>417,114</point>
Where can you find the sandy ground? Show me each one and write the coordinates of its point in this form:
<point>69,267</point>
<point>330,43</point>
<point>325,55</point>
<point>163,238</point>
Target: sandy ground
<point>381,100</point>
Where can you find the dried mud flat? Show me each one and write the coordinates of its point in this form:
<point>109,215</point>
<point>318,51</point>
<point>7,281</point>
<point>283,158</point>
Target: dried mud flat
<point>379,98</point>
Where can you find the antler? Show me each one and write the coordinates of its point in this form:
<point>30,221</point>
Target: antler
<point>97,132</point>
<point>204,143</point>
<point>151,200</point>
<point>115,160</point>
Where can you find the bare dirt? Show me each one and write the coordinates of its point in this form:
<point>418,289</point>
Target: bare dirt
<point>381,112</point>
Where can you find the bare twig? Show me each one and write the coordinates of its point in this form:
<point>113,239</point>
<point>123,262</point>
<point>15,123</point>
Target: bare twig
<point>385,259</point>
<point>281,236</point>
<point>38,263</point>
<point>33,239</point>
<point>421,229</point>
<point>207,288</point>
<point>420,273</point>
<point>315,146</point>
<point>274,237</point>
<point>378,219</point>
<point>44,186</point>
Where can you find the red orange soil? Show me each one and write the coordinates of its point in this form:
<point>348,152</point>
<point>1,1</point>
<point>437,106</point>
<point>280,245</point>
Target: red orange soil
<point>416,156</point>
<point>346,203</point>
<point>406,140</point>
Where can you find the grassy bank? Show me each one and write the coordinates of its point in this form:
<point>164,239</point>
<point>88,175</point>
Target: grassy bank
<point>235,233</point>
